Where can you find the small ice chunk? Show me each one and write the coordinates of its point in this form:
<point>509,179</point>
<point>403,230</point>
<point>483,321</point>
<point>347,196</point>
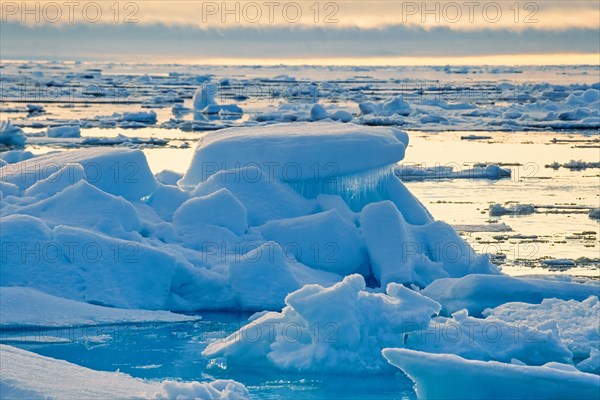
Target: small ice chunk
<point>394,252</point>
<point>576,321</point>
<point>318,112</point>
<point>64,131</point>
<point>562,262</point>
<point>11,136</point>
<point>146,117</point>
<point>262,278</point>
<point>342,116</point>
<point>592,363</point>
<point>122,172</point>
<point>264,198</point>
<point>397,105</point>
<point>497,210</point>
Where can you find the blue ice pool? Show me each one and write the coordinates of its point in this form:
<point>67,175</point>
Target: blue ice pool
<point>173,351</point>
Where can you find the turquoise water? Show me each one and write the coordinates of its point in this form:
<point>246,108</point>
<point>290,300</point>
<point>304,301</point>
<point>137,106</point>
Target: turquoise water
<point>173,351</point>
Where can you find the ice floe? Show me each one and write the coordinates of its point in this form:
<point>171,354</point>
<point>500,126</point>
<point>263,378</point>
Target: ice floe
<point>492,379</point>
<point>479,292</point>
<point>26,375</point>
<point>347,335</point>
<point>11,136</point>
<point>24,307</point>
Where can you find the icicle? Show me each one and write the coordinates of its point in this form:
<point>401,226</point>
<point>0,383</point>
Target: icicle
<point>356,189</point>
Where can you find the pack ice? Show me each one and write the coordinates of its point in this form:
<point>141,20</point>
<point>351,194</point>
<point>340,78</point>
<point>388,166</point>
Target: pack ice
<point>307,221</point>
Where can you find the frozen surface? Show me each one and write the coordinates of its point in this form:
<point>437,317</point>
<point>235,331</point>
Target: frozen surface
<point>325,205</point>
<point>478,292</point>
<point>341,328</point>
<point>26,375</point>
<point>82,265</point>
<point>264,198</point>
<point>291,153</point>
<point>491,339</point>
<point>95,225</point>
<point>447,376</point>
<point>577,321</point>
<point>220,208</point>
<point>11,136</point>
<point>121,172</point>
<point>324,241</point>
<point>22,307</point>
<point>64,131</point>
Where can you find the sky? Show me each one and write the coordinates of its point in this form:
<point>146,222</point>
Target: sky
<point>370,32</point>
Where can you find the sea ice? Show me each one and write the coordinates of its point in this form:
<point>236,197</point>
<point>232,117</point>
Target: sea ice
<point>591,364</point>
<point>478,292</point>
<point>140,243</point>
<point>81,265</point>
<point>265,198</point>
<point>497,210</point>
<point>219,208</point>
<point>14,156</point>
<point>395,254</point>
<point>342,116</point>
<point>448,376</point>
<point>318,112</point>
<point>341,328</point>
<point>24,307</point>
<point>26,375</point>
<point>205,103</point>
<point>297,152</point>
<point>491,339</point>
<point>64,131</point>
<point>144,117</point>
<point>168,177</point>
<point>577,321</point>
<point>395,106</point>
<point>11,136</point>
<point>324,241</point>
<point>121,172</point>
<point>68,175</point>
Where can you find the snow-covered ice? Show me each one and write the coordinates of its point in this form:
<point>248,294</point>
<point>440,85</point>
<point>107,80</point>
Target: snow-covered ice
<point>293,153</point>
<point>64,131</point>
<point>26,375</point>
<point>448,376</point>
<point>341,328</point>
<point>298,212</point>
<point>479,292</point>
<point>577,321</point>
<point>22,307</point>
<point>11,136</point>
<point>204,102</point>
<point>210,242</point>
<point>497,210</point>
